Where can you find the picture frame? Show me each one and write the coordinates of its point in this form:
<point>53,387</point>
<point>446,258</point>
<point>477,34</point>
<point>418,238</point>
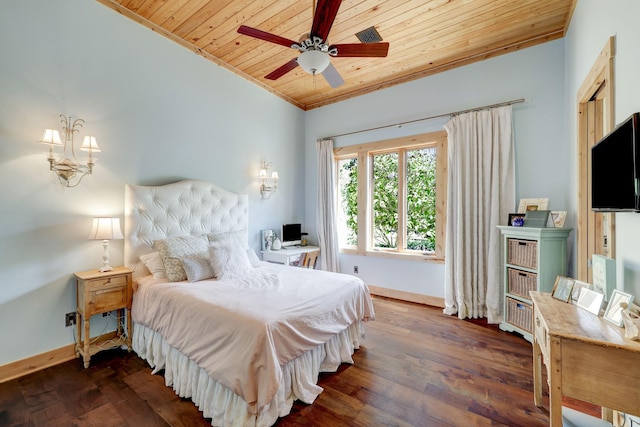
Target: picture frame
<point>590,301</point>
<point>532,205</point>
<point>613,314</point>
<point>266,235</point>
<point>578,285</point>
<point>558,218</point>
<point>562,288</point>
<point>536,218</point>
<point>516,219</point>
<point>604,274</point>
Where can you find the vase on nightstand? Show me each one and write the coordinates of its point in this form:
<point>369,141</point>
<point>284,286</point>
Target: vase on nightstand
<point>277,244</point>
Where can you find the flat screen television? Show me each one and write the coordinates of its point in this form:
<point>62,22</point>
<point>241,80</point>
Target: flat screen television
<point>291,234</point>
<point>615,169</point>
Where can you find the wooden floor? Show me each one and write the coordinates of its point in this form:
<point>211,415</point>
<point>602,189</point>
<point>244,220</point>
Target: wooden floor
<point>417,367</point>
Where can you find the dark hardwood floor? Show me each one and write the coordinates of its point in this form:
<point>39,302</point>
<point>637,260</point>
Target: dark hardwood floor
<point>416,367</point>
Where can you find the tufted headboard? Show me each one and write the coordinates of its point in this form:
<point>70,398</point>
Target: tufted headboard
<point>188,207</point>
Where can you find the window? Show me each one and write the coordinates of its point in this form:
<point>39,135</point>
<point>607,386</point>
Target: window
<point>385,200</point>
<point>392,197</point>
<point>348,202</point>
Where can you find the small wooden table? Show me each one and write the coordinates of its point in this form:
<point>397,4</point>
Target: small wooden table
<point>99,292</point>
<point>586,357</point>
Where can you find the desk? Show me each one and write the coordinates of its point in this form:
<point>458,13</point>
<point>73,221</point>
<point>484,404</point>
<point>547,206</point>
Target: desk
<point>287,254</point>
<point>586,357</point>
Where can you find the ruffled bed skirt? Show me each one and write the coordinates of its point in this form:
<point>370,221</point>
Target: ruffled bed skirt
<point>223,406</point>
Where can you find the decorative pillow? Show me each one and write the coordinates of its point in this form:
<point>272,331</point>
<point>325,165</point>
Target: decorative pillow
<point>197,268</point>
<point>154,264</point>
<point>228,260</point>
<point>253,258</point>
<point>239,237</point>
<point>175,249</point>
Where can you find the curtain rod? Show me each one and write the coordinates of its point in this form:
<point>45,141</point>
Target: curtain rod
<point>501,104</point>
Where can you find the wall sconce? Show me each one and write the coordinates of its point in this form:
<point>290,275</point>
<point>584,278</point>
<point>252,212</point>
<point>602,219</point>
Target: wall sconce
<point>68,169</point>
<point>267,186</point>
<point>106,229</point>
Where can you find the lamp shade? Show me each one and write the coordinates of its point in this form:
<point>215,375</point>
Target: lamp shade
<point>106,229</point>
<point>90,144</point>
<point>313,61</point>
<point>51,137</point>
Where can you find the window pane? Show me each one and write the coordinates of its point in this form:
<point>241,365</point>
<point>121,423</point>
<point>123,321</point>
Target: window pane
<point>421,200</point>
<point>385,200</point>
<point>348,202</point>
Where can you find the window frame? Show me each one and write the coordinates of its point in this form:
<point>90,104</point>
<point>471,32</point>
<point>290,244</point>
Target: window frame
<point>364,154</point>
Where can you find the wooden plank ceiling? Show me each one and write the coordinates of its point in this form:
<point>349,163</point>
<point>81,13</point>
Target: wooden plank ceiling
<point>425,37</point>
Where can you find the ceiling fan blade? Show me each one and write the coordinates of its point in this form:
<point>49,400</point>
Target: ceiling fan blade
<point>332,76</point>
<point>281,71</point>
<point>325,14</point>
<point>263,35</point>
<point>362,49</point>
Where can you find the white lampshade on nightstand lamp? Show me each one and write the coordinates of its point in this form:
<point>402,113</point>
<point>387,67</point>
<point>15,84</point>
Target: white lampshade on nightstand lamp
<point>106,229</point>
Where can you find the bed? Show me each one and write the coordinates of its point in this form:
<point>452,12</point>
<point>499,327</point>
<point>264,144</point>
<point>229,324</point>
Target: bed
<point>245,344</point>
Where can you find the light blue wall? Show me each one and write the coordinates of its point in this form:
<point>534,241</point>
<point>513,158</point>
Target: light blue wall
<point>160,113</point>
<point>542,151</point>
<point>592,24</point>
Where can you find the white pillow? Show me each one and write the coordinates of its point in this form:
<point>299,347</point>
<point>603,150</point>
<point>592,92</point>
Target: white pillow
<point>174,249</point>
<point>154,264</point>
<point>228,260</point>
<point>253,258</point>
<point>197,268</point>
<point>239,237</point>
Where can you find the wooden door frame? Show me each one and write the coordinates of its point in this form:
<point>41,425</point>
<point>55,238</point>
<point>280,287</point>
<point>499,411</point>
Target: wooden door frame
<point>595,231</point>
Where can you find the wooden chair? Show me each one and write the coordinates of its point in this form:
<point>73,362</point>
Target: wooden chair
<point>309,259</point>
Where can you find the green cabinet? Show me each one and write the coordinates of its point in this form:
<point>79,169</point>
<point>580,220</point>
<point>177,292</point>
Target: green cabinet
<point>532,259</point>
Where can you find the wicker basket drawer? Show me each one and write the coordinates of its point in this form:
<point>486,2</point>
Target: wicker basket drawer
<point>522,252</point>
<point>521,282</point>
<point>519,314</point>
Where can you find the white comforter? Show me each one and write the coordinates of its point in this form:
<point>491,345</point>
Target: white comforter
<point>243,331</point>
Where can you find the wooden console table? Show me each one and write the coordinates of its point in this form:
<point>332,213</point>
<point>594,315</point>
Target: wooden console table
<point>586,357</point>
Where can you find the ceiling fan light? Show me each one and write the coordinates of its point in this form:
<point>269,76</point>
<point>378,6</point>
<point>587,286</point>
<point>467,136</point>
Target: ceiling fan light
<point>313,61</point>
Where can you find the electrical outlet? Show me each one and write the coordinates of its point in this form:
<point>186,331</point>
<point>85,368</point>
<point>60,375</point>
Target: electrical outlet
<point>69,319</point>
<point>355,269</point>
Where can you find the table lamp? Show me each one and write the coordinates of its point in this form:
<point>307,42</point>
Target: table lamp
<point>106,229</point>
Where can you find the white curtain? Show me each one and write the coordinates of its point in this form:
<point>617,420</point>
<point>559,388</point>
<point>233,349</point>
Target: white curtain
<point>326,215</point>
<point>481,193</point>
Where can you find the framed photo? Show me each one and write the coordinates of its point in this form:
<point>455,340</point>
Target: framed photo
<point>266,237</point>
<point>577,288</point>
<point>604,274</point>
<point>590,301</point>
<point>614,309</point>
<point>516,219</point>
<point>558,218</point>
<point>532,205</point>
<point>537,218</point>
<point>562,288</point>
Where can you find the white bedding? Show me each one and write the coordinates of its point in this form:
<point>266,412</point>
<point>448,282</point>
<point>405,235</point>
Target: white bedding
<point>244,332</point>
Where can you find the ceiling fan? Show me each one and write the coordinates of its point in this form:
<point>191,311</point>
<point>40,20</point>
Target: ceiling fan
<point>315,52</point>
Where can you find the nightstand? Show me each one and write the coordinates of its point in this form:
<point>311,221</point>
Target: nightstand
<point>96,293</point>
